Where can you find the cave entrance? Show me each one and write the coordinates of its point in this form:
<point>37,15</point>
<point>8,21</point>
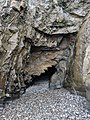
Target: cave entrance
<point>44,77</point>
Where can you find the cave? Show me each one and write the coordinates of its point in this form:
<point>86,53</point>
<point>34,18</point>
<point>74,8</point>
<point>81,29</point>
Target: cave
<point>44,77</point>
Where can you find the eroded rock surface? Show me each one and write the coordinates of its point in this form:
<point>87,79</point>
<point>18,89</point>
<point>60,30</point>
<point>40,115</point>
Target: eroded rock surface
<point>81,64</point>
<point>35,36</point>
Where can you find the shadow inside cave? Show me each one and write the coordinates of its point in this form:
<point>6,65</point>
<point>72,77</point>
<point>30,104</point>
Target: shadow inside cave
<point>44,77</point>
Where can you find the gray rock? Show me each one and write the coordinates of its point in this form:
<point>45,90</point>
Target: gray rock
<point>80,66</point>
<point>36,35</point>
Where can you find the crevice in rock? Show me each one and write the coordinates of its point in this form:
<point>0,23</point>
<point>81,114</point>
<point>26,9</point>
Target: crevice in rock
<point>43,48</point>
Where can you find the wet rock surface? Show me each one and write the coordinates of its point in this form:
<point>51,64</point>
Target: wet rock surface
<point>40,103</point>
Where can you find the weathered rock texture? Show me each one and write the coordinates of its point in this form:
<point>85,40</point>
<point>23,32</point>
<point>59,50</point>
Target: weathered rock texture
<point>35,36</point>
<point>81,64</point>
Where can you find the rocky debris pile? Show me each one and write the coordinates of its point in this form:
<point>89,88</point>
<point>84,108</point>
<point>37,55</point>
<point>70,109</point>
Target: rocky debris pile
<point>40,103</point>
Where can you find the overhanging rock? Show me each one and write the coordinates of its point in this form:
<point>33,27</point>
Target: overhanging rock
<point>33,38</point>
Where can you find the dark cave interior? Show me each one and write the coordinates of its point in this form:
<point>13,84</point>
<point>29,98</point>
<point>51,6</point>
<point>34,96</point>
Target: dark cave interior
<point>43,77</point>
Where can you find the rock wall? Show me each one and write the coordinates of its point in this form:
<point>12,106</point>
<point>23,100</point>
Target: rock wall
<point>37,35</point>
<point>80,66</point>
<point>81,61</point>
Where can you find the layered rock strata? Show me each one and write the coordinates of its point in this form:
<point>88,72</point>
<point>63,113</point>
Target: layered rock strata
<point>35,36</point>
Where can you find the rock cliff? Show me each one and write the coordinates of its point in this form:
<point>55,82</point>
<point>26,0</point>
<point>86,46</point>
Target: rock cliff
<point>37,35</point>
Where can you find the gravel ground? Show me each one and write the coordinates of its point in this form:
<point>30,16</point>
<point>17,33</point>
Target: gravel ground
<point>40,103</point>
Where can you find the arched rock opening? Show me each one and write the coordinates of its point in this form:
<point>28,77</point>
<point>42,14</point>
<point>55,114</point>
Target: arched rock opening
<point>43,77</point>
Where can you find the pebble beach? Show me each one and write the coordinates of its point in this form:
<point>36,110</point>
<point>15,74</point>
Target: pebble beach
<point>40,103</point>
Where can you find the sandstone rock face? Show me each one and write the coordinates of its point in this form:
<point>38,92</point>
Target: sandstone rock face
<point>36,35</point>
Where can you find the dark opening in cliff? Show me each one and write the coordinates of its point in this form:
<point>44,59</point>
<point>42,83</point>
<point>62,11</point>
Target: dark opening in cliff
<point>43,49</point>
<point>44,77</point>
